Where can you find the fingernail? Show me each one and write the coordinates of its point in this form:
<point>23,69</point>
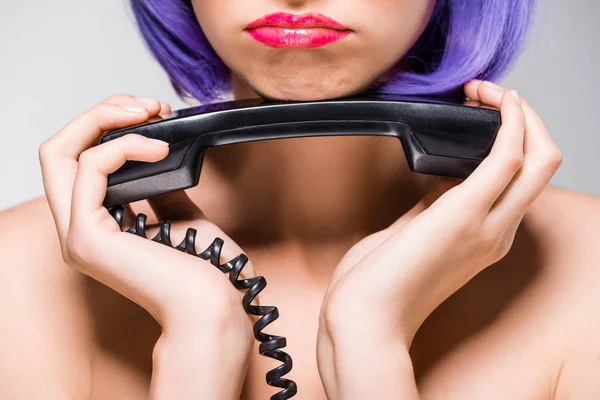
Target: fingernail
<point>160,143</point>
<point>515,96</point>
<point>134,108</point>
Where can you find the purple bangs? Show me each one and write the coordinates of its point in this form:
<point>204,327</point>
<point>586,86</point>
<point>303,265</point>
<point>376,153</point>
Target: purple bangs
<point>463,40</point>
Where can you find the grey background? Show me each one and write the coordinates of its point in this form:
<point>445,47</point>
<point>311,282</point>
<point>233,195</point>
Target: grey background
<point>60,57</point>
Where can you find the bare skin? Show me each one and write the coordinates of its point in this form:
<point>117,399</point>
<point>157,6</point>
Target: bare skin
<point>523,328</point>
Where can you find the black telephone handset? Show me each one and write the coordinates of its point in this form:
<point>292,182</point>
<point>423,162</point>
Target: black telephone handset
<point>440,136</point>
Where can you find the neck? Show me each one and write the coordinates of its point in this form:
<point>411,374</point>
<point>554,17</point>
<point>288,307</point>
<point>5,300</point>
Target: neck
<point>306,191</point>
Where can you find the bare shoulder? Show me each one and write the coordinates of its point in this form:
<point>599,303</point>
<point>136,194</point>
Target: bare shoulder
<point>28,237</point>
<point>568,223</point>
<point>568,205</point>
<point>44,335</point>
<point>566,226</point>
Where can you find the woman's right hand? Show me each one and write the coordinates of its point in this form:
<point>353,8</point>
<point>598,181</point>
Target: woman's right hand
<point>191,299</point>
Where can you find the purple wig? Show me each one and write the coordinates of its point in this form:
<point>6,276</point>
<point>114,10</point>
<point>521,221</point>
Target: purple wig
<point>463,40</point>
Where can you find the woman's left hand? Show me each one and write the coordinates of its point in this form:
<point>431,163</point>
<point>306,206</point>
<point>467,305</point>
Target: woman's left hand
<point>388,283</point>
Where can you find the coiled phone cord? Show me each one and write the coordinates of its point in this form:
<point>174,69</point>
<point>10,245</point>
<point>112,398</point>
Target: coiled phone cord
<point>270,345</point>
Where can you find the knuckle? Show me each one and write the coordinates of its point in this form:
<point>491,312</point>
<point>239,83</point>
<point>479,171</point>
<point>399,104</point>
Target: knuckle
<point>126,143</point>
<point>134,139</point>
<point>74,249</point>
<point>514,161</point>
<point>87,157</point>
<point>504,97</point>
<point>46,149</point>
<point>553,159</point>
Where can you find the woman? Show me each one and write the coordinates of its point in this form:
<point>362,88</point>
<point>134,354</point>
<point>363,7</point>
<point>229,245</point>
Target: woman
<point>390,284</point>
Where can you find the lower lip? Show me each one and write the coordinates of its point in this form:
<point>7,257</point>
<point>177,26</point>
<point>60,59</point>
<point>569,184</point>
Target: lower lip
<point>308,38</point>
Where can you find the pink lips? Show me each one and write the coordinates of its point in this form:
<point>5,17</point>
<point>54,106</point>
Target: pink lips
<point>296,31</point>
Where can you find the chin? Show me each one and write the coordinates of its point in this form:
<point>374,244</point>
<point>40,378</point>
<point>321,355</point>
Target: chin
<point>306,87</point>
<point>304,92</point>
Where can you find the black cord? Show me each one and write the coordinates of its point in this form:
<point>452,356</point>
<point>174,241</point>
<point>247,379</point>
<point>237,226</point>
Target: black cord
<point>270,345</point>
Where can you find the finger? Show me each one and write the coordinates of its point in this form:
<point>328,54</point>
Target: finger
<point>58,155</point>
<point>542,159</point>
<point>206,233</point>
<point>439,186</point>
<point>125,267</point>
<point>483,187</point>
<point>98,162</point>
<point>153,106</point>
<point>157,110</point>
<point>149,283</point>
<point>165,110</point>
<point>84,130</point>
<point>470,89</point>
<point>175,206</point>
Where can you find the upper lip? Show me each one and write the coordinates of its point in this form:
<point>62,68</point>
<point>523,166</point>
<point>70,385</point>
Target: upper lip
<point>291,21</point>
